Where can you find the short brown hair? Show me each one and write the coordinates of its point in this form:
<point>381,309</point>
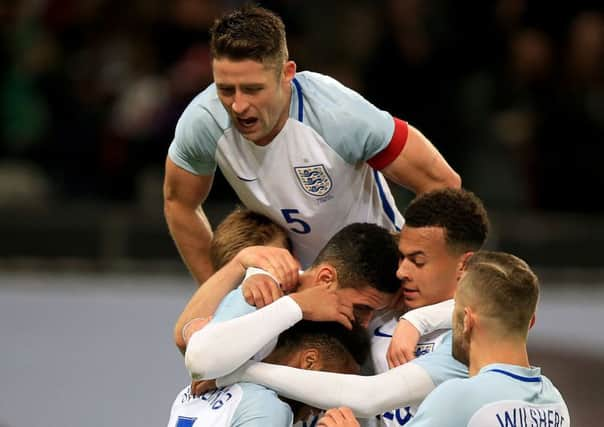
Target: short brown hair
<point>459,212</point>
<point>251,32</point>
<point>240,229</point>
<point>503,287</point>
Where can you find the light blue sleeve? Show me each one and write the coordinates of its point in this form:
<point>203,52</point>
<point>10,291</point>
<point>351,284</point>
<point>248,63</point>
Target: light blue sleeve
<point>440,364</point>
<point>232,306</point>
<point>351,125</point>
<point>260,407</point>
<point>445,407</point>
<point>198,130</point>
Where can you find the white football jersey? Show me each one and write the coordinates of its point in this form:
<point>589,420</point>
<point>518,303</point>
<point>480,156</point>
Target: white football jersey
<point>500,395</point>
<point>313,178</point>
<point>383,329</point>
<point>242,404</point>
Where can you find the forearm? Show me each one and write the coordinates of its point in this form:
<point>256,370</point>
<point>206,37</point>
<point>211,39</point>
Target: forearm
<point>207,298</point>
<point>431,317</point>
<point>192,235</point>
<point>366,395</point>
<point>211,353</point>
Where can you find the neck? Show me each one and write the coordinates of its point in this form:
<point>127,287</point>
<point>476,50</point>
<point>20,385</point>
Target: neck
<point>305,280</point>
<point>509,350</point>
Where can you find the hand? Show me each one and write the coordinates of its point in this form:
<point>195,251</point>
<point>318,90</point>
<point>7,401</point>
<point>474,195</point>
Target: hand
<point>325,303</point>
<point>403,343</point>
<point>193,326</point>
<point>260,290</point>
<point>338,417</point>
<point>277,261</point>
<point>200,387</point>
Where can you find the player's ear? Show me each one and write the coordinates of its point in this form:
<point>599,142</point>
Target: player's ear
<point>289,71</point>
<point>461,265</point>
<point>533,320</point>
<point>311,359</point>
<point>468,320</point>
<point>326,274</point>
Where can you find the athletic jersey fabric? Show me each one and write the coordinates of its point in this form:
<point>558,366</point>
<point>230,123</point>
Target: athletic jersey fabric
<point>314,177</point>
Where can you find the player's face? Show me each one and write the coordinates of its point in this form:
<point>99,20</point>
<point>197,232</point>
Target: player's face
<point>255,95</point>
<point>427,270</point>
<point>365,302</point>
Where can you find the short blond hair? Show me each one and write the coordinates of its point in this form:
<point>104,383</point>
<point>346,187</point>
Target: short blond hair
<point>503,287</point>
<point>240,229</point>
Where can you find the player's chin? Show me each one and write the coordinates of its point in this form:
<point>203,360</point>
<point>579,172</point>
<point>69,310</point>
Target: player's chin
<point>413,302</point>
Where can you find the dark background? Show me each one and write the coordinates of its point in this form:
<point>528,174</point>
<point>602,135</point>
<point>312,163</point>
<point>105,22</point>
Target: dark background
<point>510,91</point>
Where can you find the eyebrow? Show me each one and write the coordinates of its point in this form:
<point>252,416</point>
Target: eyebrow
<point>412,254</point>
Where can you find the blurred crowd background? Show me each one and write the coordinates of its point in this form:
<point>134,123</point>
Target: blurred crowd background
<point>511,91</point>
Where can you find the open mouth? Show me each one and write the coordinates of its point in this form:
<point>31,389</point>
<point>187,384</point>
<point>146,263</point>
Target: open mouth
<point>247,123</point>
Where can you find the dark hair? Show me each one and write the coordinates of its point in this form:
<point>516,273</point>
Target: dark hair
<point>250,32</point>
<point>504,288</point>
<point>363,255</point>
<point>459,212</point>
<point>333,340</point>
<point>240,229</point>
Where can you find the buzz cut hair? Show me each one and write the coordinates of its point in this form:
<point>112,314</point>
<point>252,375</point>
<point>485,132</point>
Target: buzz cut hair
<point>339,346</point>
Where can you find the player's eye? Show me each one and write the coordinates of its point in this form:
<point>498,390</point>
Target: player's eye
<point>226,91</point>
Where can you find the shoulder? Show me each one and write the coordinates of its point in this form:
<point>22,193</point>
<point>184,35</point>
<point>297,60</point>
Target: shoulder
<point>444,407</point>
<point>205,110</point>
<point>329,95</point>
<point>350,124</point>
<point>261,406</point>
<point>440,364</point>
<point>232,306</point>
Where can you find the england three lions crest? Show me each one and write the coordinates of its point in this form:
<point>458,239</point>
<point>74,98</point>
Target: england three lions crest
<point>314,179</point>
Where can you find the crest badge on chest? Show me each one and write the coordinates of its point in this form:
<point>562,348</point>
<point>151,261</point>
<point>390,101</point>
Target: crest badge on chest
<point>314,179</point>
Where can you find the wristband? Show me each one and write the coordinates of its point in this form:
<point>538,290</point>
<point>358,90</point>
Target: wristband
<point>251,271</point>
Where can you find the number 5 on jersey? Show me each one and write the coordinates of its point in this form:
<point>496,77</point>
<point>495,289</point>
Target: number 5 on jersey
<point>301,226</point>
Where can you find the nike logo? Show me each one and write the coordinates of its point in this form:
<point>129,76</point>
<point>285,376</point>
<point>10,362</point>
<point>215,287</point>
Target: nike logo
<point>247,179</point>
<point>379,333</point>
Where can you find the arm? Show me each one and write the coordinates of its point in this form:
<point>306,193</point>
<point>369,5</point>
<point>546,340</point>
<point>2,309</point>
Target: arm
<point>184,193</point>
<point>210,352</point>
<point>414,324</point>
<point>431,317</point>
<point>419,166</point>
<point>207,298</point>
<point>366,396</point>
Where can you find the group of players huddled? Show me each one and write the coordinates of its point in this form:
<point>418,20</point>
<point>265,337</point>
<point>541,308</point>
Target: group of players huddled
<point>318,302</point>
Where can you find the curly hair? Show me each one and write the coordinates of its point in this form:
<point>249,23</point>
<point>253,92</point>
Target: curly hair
<point>459,212</point>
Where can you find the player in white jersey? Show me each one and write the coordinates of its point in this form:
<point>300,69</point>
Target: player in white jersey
<point>300,148</point>
<point>444,227</point>
<point>307,345</point>
<point>494,309</point>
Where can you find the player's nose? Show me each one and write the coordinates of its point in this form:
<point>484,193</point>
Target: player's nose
<point>239,104</point>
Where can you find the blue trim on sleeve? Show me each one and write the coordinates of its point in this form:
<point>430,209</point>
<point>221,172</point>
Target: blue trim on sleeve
<point>387,208</point>
<point>300,100</point>
<point>517,377</point>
